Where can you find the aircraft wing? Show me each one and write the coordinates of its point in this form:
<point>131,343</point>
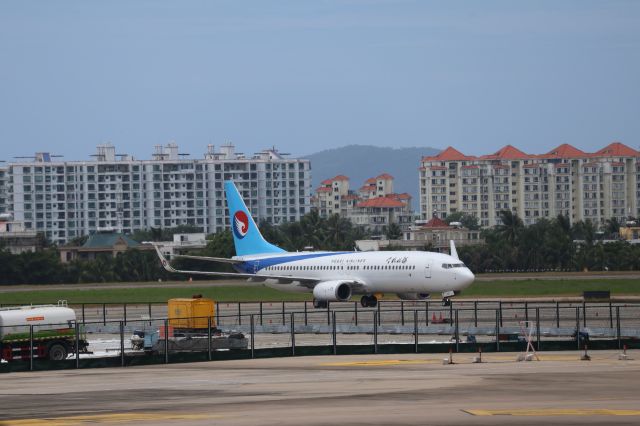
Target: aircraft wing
<point>308,282</point>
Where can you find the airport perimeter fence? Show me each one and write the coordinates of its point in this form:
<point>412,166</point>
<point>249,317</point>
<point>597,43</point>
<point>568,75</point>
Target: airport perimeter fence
<point>350,330</point>
<point>591,313</point>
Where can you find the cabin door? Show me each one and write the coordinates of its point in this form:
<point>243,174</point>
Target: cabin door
<point>427,270</point>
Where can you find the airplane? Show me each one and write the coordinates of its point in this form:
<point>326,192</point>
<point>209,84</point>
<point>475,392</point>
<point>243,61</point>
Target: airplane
<point>333,276</point>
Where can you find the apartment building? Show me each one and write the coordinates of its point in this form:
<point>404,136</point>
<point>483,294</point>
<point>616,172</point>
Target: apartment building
<point>67,199</point>
<point>582,186</point>
<point>374,205</point>
<point>4,173</point>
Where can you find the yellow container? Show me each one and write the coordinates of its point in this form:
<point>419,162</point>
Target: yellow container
<point>190,313</point>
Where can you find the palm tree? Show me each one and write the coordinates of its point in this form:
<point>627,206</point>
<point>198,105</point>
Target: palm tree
<point>511,227</point>
<point>338,229</point>
<point>394,232</point>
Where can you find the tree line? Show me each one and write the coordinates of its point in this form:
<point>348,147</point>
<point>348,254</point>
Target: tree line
<point>552,244</point>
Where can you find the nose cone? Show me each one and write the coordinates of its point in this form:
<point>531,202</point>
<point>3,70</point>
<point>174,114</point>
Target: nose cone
<point>465,277</point>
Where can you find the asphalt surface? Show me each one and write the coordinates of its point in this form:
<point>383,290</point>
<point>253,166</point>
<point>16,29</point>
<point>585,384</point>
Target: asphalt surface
<point>366,389</point>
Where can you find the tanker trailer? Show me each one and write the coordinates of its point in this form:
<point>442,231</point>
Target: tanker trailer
<point>54,334</point>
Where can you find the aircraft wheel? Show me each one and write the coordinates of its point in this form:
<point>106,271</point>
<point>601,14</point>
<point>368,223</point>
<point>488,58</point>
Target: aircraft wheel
<point>369,301</point>
<point>319,304</point>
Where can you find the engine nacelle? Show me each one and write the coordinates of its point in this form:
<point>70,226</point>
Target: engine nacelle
<point>332,291</point>
<point>413,296</point>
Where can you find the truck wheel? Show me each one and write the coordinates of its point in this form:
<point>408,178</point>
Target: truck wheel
<point>57,352</point>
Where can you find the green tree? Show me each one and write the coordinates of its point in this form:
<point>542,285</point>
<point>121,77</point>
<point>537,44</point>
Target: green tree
<point>468,221</point>
<point>393,231</point>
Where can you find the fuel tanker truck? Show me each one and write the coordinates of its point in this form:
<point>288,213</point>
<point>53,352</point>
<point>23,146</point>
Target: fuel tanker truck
<point>54,332</point>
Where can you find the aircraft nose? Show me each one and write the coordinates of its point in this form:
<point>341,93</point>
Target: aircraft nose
<point>466,276</point>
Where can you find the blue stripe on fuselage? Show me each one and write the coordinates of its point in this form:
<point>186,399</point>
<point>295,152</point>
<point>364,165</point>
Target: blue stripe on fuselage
<point>253,266</point>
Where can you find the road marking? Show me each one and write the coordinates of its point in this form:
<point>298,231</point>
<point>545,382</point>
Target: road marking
<point>379,363</point>
<point>121,418</point>
<point>555,412</point>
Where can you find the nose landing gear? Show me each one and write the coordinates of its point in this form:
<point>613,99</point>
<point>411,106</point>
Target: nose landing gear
<point>446,297</point>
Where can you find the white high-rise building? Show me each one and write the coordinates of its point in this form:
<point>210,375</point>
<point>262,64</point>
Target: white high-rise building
<point>4,177</point>
<point>67,199</point>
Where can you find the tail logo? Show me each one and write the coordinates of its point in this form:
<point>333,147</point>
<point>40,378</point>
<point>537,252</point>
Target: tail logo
<point>240,224</point>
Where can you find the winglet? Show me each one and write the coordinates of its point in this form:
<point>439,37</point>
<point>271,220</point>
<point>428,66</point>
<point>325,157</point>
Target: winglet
<point>165,263</point>
<point>454,252</point>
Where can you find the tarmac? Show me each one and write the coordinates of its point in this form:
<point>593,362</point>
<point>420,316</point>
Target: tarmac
<point>359,389</point>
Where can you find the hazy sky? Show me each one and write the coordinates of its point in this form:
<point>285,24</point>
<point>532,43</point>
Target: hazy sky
<point>310,75</point>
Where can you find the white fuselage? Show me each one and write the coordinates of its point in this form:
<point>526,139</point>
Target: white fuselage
<point>379,272</point>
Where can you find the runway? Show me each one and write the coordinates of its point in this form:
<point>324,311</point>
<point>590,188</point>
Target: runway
<point>365,389</point>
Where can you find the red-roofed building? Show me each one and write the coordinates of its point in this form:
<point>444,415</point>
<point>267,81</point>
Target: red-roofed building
<point>565,180</point>
<point>508,152</point>
<point>374,206</point>
<point>328,198</point>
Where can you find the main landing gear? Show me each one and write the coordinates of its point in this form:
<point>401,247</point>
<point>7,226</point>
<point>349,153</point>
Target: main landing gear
<point>320,304</point>
<point>369,301</point>
<point>446,302</point>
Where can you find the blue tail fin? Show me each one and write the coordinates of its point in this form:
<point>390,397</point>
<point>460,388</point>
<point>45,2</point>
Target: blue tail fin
<point>246,235</point>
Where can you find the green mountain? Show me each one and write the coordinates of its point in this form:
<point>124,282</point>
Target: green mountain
<point>360,162</point>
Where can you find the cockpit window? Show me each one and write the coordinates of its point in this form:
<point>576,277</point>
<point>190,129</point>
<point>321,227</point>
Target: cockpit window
<point>452,265</point>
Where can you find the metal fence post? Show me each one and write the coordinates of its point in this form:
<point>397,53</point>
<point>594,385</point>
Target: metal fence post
<point>283,311</point>
<point>500,307</point>
<point>31,348</point>
<point>450,310</point>
<point>125,313</point>
<point>166,341</point>
<point>375,333</point>
<point>293,335</point>
<point>209,338</point>
<point>335,337</point>
<point>150,310</point>
<point>253,330</point>
<point>526,311</point>
<point>306,319</point>
<point>457,329</point>
<point>77,330</point>
<point>618,332</point>
<point>402,312</point>
<point>104,314</point>
<point>498,330</point>
<point>355,310</point>
<point>584,314</point>
<point>260,313</point>
<point>558,314</point>
<point>415,328</point>
<point>217,313</point>
<point>537,329</point>
<point>578,326</point>
<point>379,314</point>
<point>610,316</point>
<point>121,344</point>
<point>426,313</point>
<point>328,314</point>
<point>83,313</point>
<point>239,313</point>
<point>475,313</point>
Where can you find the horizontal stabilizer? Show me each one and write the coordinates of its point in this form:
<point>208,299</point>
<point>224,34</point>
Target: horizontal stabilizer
<point>206,258</point>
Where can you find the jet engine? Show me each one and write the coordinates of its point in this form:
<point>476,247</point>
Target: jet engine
<point>332,291</point>
<point>413,296</point>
